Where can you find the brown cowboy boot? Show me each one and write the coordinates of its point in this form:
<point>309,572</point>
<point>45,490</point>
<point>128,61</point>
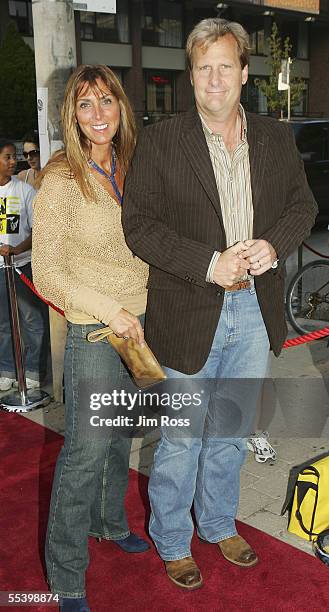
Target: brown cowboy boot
<point>184,573</point>
<point>237,551</point>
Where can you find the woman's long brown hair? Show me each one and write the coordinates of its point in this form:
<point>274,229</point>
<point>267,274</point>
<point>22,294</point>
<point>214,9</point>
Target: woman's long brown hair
<point>77,148</point>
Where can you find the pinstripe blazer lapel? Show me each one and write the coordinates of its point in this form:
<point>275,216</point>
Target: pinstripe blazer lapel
<point>258,141</point>
<point>194,145</point>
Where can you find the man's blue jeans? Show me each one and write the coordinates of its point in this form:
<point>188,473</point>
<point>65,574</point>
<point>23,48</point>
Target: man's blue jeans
<point>205,468</point>
<point>91,475</point>
<point>33,314</point>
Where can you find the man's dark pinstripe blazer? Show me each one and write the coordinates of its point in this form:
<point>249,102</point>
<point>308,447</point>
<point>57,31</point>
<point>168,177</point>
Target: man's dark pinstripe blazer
<point>172,219</point>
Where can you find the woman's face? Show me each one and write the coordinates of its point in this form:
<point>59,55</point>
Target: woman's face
<point>98,114</point>
<point>32,154</point>
<point>7,161</point>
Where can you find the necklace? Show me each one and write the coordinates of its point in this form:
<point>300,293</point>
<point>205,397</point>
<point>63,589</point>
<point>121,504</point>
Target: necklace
<point>110,177</point>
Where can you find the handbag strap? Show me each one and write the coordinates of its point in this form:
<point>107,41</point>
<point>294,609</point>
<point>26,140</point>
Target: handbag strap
<point>99,334</point>
<point>302,489</point>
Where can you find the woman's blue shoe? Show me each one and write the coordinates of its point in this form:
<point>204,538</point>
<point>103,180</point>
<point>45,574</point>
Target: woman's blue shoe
<point>132,544</point>
<point>67,604</point>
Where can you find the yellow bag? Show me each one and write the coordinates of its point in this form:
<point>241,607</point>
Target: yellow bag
<point>309,514</point>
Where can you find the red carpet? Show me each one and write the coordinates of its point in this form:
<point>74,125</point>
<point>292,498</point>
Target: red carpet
<point>286,579</point>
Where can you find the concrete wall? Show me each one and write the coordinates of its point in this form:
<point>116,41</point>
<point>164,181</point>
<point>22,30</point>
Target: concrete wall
<point>259,67</point>
<point>106,53</point>
<point>163,59</point>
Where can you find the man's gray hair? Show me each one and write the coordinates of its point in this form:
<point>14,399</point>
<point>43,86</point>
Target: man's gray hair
<point>207,31</point>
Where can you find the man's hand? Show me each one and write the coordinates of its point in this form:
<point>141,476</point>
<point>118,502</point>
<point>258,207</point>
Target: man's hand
<point>126,325</point>
<point>25,245</point>
<point>6,249</point>
<point>260,256</point>
<point>231,265</point>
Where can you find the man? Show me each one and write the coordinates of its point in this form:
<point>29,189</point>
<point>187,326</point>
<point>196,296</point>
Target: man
<point>16,239</point>
<point>215,201</point>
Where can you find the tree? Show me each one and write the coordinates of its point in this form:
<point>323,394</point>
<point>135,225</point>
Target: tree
<point>17,86</point>
<point>277,101</point>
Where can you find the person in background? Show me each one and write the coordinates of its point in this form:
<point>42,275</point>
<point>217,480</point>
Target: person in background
<point>31,152</point>
<point>16,239</point>
<point>81,263</point>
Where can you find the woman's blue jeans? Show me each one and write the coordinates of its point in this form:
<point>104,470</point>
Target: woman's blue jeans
<point>91,475</point>
<point>204,468</point>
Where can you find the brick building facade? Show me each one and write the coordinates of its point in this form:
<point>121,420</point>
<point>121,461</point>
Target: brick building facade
<point>144,44</point>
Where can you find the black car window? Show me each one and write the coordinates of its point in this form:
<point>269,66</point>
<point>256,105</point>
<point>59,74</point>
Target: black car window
<point>312,141</point>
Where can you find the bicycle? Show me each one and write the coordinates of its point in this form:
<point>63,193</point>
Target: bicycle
<point>307,302</point>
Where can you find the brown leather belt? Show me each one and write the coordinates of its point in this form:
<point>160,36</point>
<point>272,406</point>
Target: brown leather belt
<point>243,284</point>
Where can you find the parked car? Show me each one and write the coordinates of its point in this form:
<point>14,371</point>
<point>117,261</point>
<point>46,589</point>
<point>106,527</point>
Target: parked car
<point>312,139</point>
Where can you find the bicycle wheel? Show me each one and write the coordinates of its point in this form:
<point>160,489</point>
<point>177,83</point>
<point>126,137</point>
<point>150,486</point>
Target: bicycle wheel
<point>307,301</point>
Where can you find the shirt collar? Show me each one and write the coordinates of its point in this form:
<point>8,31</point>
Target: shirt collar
<point>242,113</point>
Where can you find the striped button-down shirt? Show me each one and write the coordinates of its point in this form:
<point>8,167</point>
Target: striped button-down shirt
<point>232,174</point>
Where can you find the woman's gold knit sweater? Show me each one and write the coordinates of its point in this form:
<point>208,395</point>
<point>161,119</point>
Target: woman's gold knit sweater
<point>80,259</point>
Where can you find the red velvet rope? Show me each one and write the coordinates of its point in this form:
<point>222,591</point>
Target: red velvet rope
<point>316,335</point>
<point>29,283</point>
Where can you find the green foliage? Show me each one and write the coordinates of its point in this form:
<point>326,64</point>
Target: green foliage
<point>277,101</point>
<point>17,86</point>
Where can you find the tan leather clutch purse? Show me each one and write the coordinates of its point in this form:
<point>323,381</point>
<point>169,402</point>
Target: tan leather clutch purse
<point>140,361</point>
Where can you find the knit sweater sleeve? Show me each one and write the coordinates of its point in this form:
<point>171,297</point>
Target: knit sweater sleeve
<point>52,267</point>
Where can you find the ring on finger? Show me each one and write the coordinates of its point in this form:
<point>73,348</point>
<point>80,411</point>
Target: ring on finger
<point>125,337</point>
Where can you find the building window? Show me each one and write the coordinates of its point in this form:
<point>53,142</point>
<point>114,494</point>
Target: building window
<point>162,23</point>
<point>87,25</point>
<point>21,12</point>
<point>302,108</point>
<point>106,27</point>
<point>254,100</point>
<point>255,27</point>
<point>160,94</point>
<point>257,42</point>
<point>118,73</point>
<point>289,29</point>
<point>303,43</point>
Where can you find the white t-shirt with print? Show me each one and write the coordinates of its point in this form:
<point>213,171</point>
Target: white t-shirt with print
<point>16,216</point>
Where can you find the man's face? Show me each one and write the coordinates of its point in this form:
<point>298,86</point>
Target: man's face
<point>7,162</point>
<point>217,78</point>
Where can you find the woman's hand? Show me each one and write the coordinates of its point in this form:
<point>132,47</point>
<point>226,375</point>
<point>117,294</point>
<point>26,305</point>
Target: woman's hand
<point>126,325</point>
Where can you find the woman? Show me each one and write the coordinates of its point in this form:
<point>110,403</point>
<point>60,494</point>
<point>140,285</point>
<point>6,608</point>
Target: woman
<point>31,152</point>
<point>16,240</point>
<point>81,263</point>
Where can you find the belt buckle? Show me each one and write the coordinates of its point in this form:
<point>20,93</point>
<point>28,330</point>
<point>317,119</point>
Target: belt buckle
<point>244,284</point>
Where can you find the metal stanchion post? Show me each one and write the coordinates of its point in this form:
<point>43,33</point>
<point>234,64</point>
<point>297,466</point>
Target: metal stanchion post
<point>22,400</point>
<point>300,284</point>
<point>300,257</point>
